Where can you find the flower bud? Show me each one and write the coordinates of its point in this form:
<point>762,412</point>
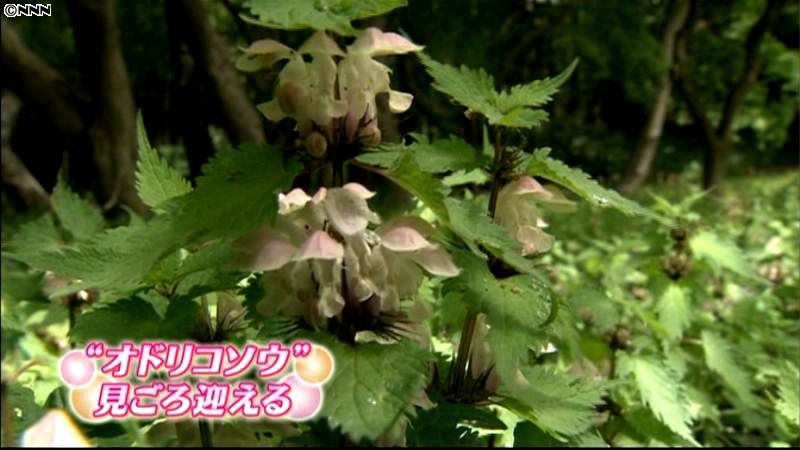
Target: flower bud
<point>370,135</point>
<point>291,96</point>
<point>316,144</point>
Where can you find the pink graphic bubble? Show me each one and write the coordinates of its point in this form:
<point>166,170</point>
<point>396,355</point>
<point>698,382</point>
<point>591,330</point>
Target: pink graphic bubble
<point>76,369</point>
<point>306,398</point>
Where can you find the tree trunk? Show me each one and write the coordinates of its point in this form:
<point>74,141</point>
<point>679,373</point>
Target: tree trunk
<point>719,139</point>
<point>242,120</point>
<point>37,84</point>
<point>112,117</point>
<point>642,161</point>
<point>189,107</point>
<point>14,172</point>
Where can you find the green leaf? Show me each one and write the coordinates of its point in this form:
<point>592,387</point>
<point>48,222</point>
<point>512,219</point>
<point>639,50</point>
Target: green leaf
<point>372,385</point>
<point>517,308</point>
<point>536,93</point>
<point>674,310</point>
<point>136,319</point>
<point>560,404</point>
<point>651,429</point>
<point>82,219</point>
<point>237,193</point>
<point>720,253</point>
<point>127,319</point>
<point>469,87</point>
<point>661,391</point>
<point>24,411</point>
<point>156,181</point>
<point>472,224</point>
<point>720,359</point>
<point>34,237</point>
<point>788,402</point>
<point>407,174</point>
<point>475,89</point>
<point>439,156</point>
<point>334,15</point>
<point>542,165</point>
<point>447,425</point>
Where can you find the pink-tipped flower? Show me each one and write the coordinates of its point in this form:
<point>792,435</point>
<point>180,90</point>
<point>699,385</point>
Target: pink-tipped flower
<point>519,210</point>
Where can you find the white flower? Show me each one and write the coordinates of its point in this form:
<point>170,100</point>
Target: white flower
<point>332,85</point>
<point>519,210</point>
<point>320,257</point>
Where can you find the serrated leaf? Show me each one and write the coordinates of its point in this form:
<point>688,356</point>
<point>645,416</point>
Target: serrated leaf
<point>407,174</point>
<point>237,193</point>
<point>516,308</point>
<point>156,181</point>
<point>33,237</point>
<point>651,429</point>
<point>79,217</point>
<point>788,403</point>
<point>560,404</point>
<point>720,253</point>
<point>674,310</point>
<point>439,156</point>
<point>334,15</point>
<point>473,224</point>
<point>475,89</point>
<point>720,359</point>
<point>542,165</point>
<point>447,425</point>
<point>372,385</point>
<point>132,319</point>
<point>136,320</point>
<point>661,392</point>
<point>535,93</point>
<point>24,411</point>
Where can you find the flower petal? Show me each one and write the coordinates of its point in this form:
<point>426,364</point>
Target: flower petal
<point>267,46</point>
<point>376,43</point>
<point>331,302</point>
<point>54,429</point>
<point>436,261</point>
<point>403,239</point>
<point>399,101</point>
<point>271,110</point>
<point>347,211</point>
<point>360,190</point>
<point>534,240</point>
<point>263,250</point>
<point>292,201</point>
<point>320,246</point>
<point>321,43</point>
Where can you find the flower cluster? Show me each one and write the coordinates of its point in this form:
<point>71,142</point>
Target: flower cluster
<point>519,209</point>
<point>323,263</point>
<point>332,95</point>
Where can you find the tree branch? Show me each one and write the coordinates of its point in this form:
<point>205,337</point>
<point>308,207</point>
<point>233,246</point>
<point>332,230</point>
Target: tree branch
<point>112,127</point>
<point>696,108</point>
<point>752,66</point>
<point>242,119</point>
<point>14,172</point>
<point>37,84</point>
<point>642,161</point>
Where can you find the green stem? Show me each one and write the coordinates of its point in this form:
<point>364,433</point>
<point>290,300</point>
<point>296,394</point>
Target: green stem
<point>465,343</point>
<point>205,433</point>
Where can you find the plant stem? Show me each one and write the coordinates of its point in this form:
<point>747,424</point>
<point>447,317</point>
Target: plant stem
<point>459,371</point>
<point>8,429</point>
<point>205,433</point>
<point>497,172</point>
<point>462,358</point>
